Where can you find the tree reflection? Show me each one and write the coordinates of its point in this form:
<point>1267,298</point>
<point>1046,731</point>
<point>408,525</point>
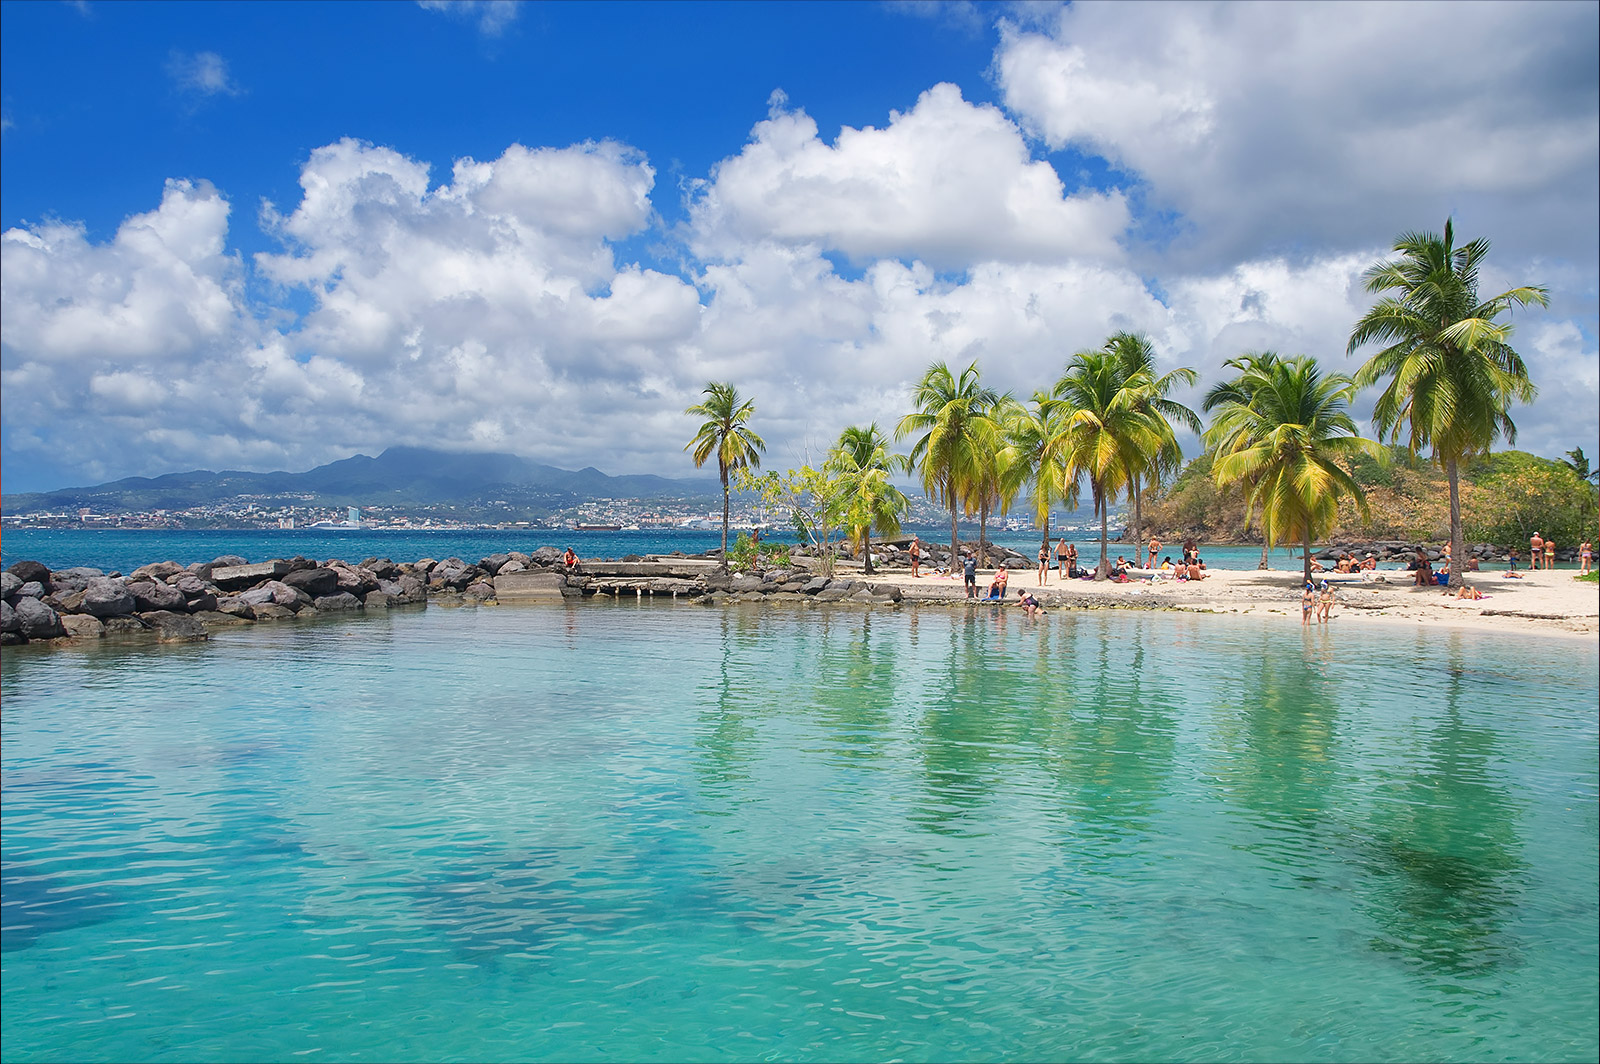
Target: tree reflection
<point>855,680</point>
<point>1446,855</point>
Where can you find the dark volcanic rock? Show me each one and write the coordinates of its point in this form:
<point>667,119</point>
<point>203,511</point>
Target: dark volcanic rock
<point>129,625</point>
<point>746,582</point>
<point>150,597</point>
<point>9,621</point>
<point>192,586</point>
<point>815,585</point>
<point>268,611</point>
<point>27,570</point>
<point>155,571</point>
<point>317,583</point>
<point>229,560</point>
<point>341,600</point>
<point>75,579</point>
<point>35,620</point>
<point>174,627</point>
<point>105,597</point>
<point>82,626</point>
<point>33,589</point>
<point>9,582</point>
<point>545,556</point>
<point>479,590</point>
<point>493,562</point>
<point>380,600</point>
<point>236,577</point>
<point>206,603</point>
<point>234,606</point>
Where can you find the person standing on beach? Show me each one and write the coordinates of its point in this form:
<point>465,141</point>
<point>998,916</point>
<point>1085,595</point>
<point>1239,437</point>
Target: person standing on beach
<point>1550,553</point>
<point>916,555</point>
<point>1585,557</point>
<point>1044,562</point>
<point>1308,602</point>
<point>1061,556</point>
<point>1155,546</point>
<point>1325,604</point>
<point>969,570</point>
<point>1535,550</point>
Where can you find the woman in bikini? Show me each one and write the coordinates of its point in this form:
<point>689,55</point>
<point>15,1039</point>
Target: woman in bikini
<point>1044,562</point>
<point>1585,556</point>
<point>1308,602</point>
<point>1325,604</point>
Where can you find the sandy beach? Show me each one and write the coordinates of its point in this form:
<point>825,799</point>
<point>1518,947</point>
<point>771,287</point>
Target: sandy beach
<point>1546,602</point>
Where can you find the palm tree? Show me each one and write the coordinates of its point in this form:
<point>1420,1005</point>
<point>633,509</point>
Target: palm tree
<point>1283,437</point>
<point>1578,462</point>
<point>1110,431</point>
<point>987,484</point>
<point>1037,457</point>
<point>1136,356</point>
<point>1452,374</point>
<point>725,435</point>
<point>873,503</point>
<point>1253,367</point>
<point>949,415</point>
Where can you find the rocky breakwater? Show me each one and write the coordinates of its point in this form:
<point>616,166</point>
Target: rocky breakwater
<point>696,579</point>
<point>1394,550</point>
<point>173,602</point>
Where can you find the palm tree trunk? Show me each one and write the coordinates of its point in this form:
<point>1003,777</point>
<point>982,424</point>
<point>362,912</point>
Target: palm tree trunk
<point>1306,555</point>
<point>955,545</point>
<point>1138,517</point>
<point>1100,570</point>
<point>983,536</point>
<point>1456,546</point>
<point>866,541</point>
<point>1264,548</point>
<point>724,518</point>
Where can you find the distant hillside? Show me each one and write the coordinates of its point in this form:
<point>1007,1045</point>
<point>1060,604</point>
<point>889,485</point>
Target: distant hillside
<point>399,476</point>
<point>1505,498</point>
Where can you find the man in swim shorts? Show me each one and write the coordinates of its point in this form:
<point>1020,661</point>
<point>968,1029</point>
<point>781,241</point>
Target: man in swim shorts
<point>1535,551</point>
<point>1061,556</point>
<point>915,550</point>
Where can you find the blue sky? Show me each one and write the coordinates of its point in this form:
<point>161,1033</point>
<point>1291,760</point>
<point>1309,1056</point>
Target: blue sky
<point>272,235</point>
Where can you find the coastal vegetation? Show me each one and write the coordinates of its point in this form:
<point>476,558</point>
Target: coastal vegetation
<point>1280,432</point>
<point>1451,373</point>
<point>1282,451</point>
<point>725,433</point>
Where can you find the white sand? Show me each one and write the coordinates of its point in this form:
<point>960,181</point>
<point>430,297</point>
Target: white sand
<point>1548,602</point>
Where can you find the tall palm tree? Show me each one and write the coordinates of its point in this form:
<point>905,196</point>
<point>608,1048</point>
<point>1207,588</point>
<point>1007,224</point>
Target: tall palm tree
<point>1135,355</point>
<point>987,484</point>
<point>1110,430</point>
<point>1283,436</point>
<point>949,422</point>
<point>724,434</point>
<point>1253,367</point>
<point>873,503</point>
<point>1452,374</point>
<point>1038,453</point>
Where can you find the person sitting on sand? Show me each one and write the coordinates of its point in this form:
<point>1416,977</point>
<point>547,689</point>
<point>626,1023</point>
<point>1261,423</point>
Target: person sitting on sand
<point>1423,568</point>
<point>914,548</point>
<point>1197,569</point>
<point>1029,604</point>
<point>1346,564</point>
<point>1467,592</point>
<point>570,560</point>
<point>997,586</point>
<point>1370,563</point>
<point>1318,567</point>
<point>1308,602</point>
<point>1325,603</point>
<point>1166,564</point>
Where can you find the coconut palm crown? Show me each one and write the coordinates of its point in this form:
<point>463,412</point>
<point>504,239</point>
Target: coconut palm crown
<point>1451,372</point>
<point>872,502</point>
<point>724,434</point>
<point>1285,433</point>
<point>951,422</point>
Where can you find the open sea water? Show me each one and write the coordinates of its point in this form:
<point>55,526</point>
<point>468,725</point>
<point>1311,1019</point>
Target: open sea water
<point>668,832</point>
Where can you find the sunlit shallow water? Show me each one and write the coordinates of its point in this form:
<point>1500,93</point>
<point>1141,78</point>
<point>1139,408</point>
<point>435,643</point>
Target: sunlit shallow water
<point>672,832</point>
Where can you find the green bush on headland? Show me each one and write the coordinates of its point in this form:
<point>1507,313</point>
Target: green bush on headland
<point>1505,498</point>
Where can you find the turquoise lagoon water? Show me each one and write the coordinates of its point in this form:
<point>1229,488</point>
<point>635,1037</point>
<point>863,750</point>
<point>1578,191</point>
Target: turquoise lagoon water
<point>665,832</point>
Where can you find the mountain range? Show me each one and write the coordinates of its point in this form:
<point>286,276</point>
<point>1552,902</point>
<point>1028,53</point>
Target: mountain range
<point>400,476</point>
